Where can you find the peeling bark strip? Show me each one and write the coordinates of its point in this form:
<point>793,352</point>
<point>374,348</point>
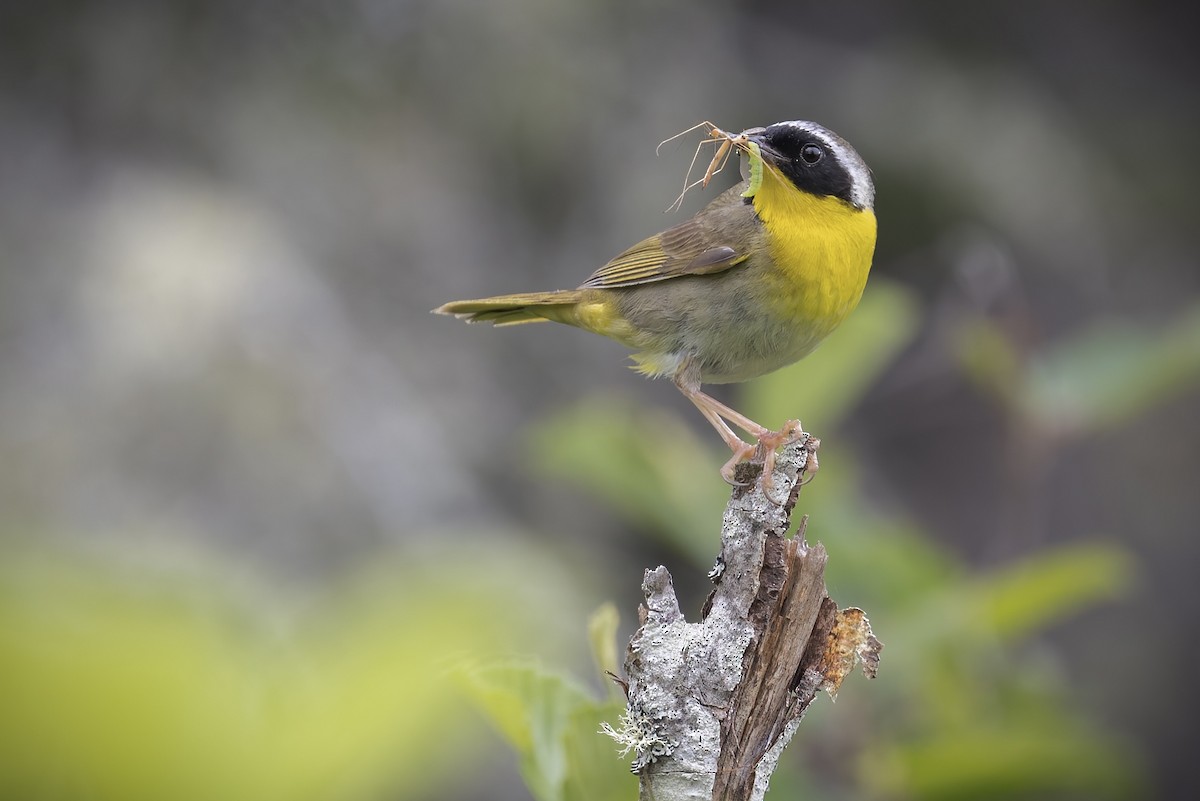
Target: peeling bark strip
<point>712,704</point>
<point>764,702</point>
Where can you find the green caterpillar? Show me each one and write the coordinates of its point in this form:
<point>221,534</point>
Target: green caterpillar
<point>754,154</point>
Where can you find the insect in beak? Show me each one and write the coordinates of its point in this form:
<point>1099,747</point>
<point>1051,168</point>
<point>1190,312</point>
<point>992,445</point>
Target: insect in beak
<point>726,143</point>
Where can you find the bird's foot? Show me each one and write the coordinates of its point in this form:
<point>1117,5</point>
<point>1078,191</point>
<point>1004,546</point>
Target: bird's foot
<point>740,454</point>
<point>769,442</point>
<point>763,452</point>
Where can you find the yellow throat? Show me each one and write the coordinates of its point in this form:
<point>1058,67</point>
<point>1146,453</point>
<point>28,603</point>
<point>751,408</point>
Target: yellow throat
<point>821,247</point>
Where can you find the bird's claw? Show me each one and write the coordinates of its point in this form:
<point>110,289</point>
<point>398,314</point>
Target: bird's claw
<point>764,451</point>
<point>729,469</point>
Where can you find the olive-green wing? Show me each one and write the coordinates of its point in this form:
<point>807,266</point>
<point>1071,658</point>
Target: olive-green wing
<point>719,237</point>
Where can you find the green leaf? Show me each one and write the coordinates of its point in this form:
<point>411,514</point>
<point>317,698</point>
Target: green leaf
<point>202,684</point>
<point>595,771</point>
<point>1112,372</point>
<point>980,763</point>
<point>602,637</point>
<point>1051,586</point>
<point>647,463</point>
<point>555,729</point>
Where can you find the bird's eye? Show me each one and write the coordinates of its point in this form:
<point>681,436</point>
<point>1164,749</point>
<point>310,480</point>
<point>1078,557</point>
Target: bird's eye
<point>811,153</point>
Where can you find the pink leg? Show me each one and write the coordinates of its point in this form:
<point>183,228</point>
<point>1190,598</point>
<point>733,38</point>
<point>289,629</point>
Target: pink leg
<point>716,413</point>
<point>741,450</point>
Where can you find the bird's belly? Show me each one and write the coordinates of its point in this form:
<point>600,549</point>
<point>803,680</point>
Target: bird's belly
<point>733,333</point>
<point>748,346</point>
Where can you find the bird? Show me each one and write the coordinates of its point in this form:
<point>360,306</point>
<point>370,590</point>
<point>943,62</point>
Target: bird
<point>751,283</point>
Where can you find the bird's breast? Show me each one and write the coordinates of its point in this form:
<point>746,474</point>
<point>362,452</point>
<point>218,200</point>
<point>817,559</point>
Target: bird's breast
<point>821,249</point>
<point>805,276</point>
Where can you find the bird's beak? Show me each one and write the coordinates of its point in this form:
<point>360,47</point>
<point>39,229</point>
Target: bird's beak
<point>756,135</point>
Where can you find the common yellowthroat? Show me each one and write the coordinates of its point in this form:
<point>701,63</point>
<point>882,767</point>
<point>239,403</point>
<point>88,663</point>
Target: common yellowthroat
<point>751,283</point>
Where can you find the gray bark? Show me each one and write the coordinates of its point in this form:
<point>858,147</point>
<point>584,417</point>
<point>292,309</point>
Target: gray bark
<point>712,704</point>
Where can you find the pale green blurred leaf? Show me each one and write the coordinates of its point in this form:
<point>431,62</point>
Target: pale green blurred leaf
<point>990,360</point>
<point>1050,586</point>
<point>882,561</point>
<point>978,762</point>
<point>596,771</point>
<point>646,462</point>
<point>555,729</point>
<point>947,636</point>
<point>126,685</point>
<point>1112,372</point>
<point>602,638</point>
<point>822,388</point>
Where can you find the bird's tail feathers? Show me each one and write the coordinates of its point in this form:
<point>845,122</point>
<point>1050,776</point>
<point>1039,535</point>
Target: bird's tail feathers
<point>526,307</point>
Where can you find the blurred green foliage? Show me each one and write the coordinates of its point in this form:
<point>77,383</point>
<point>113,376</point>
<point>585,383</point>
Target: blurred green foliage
<point>554,727</point>
<point>967,706</point>
<point>122,682</point>
<point>1102,377</point>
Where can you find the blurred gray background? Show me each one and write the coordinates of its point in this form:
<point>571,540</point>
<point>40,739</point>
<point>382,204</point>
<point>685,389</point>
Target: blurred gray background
<point>223,225</point>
